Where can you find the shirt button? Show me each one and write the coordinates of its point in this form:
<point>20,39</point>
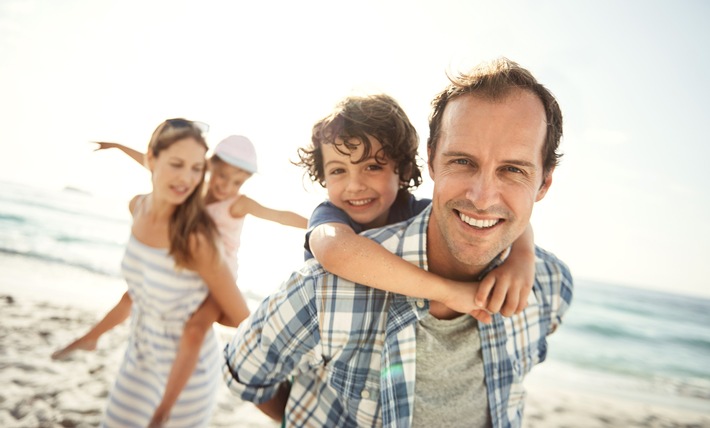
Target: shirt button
<point>420,304</point>
<point>365,394</point>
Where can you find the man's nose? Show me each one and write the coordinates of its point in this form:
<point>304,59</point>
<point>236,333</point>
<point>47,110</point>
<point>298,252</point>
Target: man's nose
<point>483,191</point>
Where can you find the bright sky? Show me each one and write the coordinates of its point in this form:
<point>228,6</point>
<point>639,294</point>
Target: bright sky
<point>629,204</point>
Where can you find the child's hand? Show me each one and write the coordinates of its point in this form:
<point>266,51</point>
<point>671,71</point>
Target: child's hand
<point>103,146</point>
<point>83,343</point>
<point>506,288</point>
<point>460,297</point>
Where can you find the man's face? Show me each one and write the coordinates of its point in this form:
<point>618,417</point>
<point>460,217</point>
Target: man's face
<point>487,173</point>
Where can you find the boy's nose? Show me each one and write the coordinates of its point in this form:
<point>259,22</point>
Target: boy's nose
<point>356,184</point>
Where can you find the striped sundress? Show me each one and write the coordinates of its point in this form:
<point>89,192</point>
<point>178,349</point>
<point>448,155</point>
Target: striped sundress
<point>164,298</point>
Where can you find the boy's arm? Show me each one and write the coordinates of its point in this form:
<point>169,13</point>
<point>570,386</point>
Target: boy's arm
<point>510,283</point>
<point>246,205</point>
<point>134,154</point>
<point>370,264</point>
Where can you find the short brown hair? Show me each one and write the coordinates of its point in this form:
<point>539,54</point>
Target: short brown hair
<point>494,80</point>
<point>353,120</point>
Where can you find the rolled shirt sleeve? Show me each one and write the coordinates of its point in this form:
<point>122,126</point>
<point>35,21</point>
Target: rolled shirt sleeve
<point>278,340</point>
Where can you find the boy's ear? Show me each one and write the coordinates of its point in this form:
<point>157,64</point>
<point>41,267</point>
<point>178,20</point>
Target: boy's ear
<point>405,175</point>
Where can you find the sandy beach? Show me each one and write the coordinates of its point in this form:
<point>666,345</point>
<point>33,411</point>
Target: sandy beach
<point>39,392</point>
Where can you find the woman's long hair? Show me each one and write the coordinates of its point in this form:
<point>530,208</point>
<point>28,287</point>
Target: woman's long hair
<point>190,217</point>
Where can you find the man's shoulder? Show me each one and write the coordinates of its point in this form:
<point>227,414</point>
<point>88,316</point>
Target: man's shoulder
<point>552,273</point>
<point>548,258</point>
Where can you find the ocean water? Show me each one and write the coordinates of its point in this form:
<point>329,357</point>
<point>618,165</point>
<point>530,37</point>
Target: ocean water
<point>618,337</point>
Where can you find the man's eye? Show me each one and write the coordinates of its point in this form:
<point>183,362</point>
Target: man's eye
<point>514,169</point>
<point>461,161</point>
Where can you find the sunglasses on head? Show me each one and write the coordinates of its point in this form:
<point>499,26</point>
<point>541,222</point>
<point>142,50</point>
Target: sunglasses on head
<point>184,123</point>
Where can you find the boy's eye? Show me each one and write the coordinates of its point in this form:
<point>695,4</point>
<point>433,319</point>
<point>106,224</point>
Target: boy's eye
<point>374,167</point>
<point>176,165</point>
<point>336,171</point>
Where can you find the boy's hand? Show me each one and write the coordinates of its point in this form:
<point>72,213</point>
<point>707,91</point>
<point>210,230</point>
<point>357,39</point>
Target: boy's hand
<point>482,315</point>
<point>506,288</point>
<point>460,298</point>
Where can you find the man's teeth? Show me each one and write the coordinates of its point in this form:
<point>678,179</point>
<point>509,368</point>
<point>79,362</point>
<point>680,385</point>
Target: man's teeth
<point>481,224</point>
<point>360,202</point>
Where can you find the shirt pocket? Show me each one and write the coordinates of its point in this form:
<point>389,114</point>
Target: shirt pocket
<point>527,342</point>
<point>359,389</point>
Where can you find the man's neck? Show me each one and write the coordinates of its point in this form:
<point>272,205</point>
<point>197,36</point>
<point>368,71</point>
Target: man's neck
<point>440,311</point>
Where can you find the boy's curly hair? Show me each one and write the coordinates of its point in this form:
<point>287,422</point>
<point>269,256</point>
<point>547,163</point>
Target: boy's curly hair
<point>353,120</point>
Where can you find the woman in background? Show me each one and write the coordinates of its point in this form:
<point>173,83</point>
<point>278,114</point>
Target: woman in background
<point>172,261</point>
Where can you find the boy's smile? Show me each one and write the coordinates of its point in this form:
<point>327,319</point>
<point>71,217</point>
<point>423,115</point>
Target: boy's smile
<point>365,190</point>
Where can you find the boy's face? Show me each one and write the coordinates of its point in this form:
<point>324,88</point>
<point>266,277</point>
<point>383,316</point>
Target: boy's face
<point>365,190</point>
<point>225,180</point>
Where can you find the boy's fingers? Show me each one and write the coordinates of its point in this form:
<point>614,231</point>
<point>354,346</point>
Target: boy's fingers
<point>497,298</point>
<point>511,304</point>
<point>484,289</point>
<point>523,302</point>
<point>482,316</point>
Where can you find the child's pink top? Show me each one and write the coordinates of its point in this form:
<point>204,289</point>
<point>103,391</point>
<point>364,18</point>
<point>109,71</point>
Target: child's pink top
<point>230,229</point>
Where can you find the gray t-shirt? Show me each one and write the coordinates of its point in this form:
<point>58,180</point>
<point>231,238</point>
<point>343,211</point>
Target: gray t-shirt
<point>450,389</point>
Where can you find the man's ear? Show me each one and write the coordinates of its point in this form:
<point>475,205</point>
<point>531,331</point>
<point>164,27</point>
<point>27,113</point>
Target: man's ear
<point>546,183</point>
<point>429,162</point>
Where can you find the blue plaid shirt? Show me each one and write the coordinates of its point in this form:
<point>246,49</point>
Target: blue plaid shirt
<point>351,349</point>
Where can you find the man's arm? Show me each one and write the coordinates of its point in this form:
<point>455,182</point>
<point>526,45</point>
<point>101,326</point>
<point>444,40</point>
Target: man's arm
<point>279,339</point>
<point>276,406</point>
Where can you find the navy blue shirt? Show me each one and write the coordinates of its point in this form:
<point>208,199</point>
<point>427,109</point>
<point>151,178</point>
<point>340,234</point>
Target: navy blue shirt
<point>404,207</point>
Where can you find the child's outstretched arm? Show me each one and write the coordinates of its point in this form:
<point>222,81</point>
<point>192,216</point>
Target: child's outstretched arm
<point>210,265</point>
<point>134,154</point>
<point>88,342</point>
<point>246,205</point>
<point>509,284</point>
<point>371,264</point>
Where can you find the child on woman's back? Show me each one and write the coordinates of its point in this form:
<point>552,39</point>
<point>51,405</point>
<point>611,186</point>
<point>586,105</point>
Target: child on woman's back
<point>364,154</point>
<point>233,162</point>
